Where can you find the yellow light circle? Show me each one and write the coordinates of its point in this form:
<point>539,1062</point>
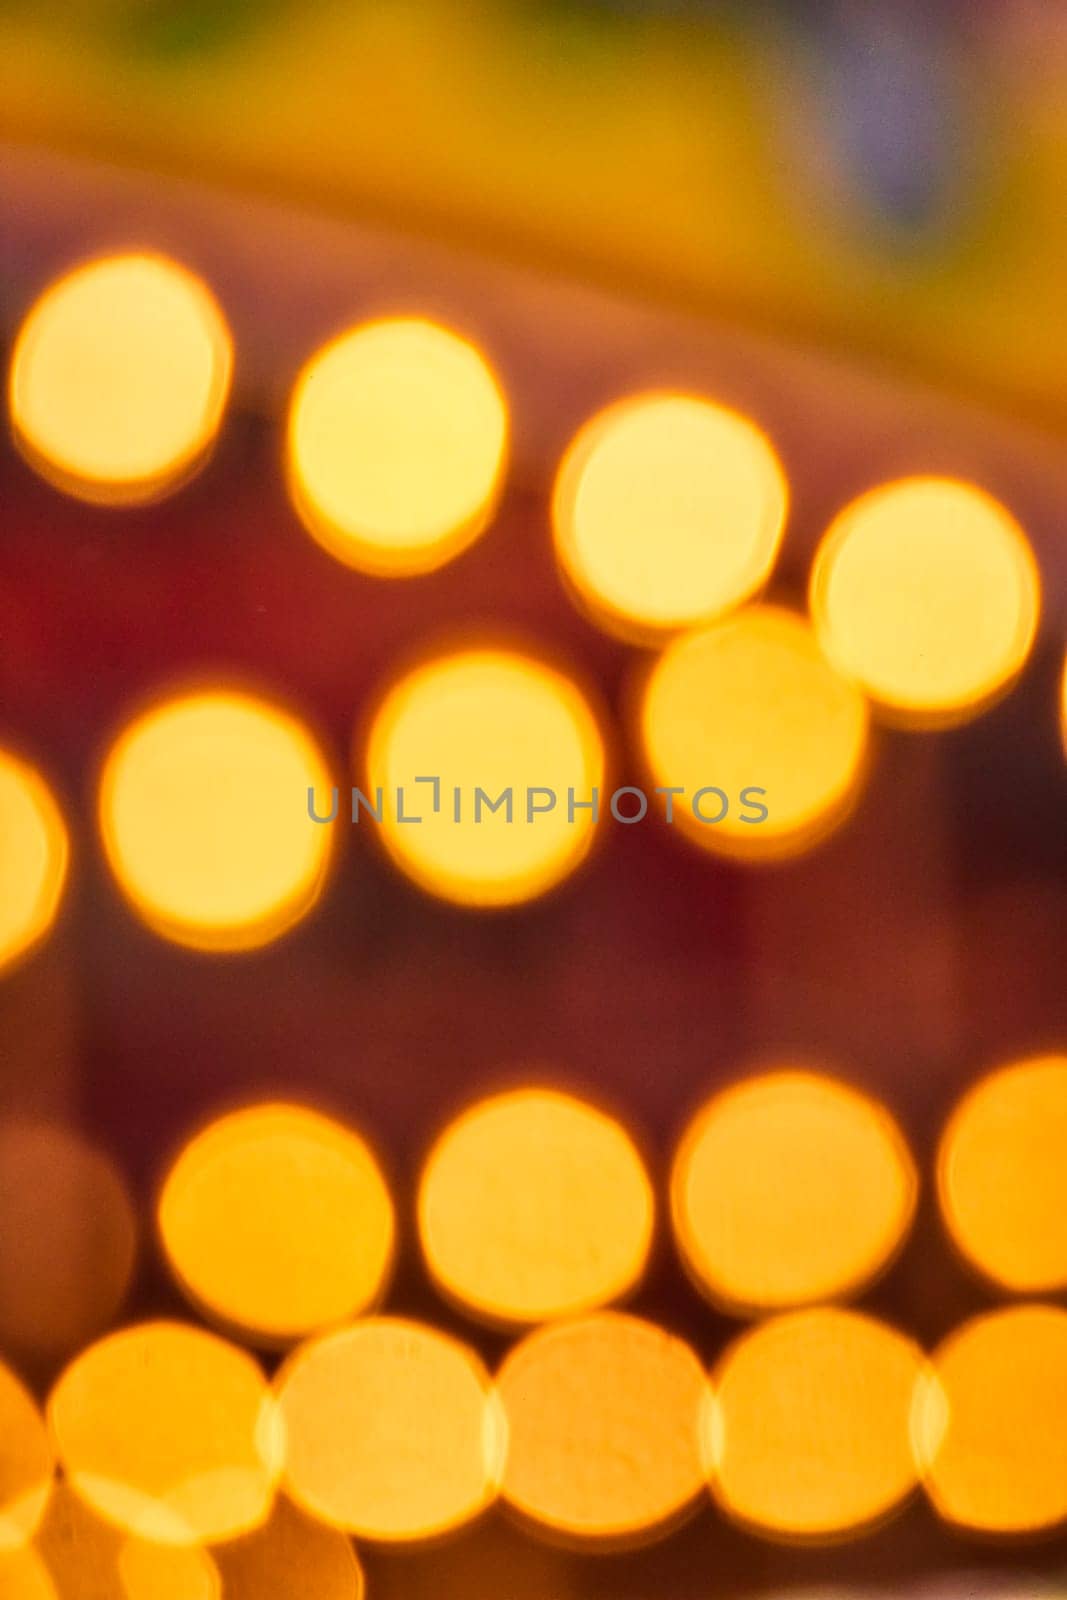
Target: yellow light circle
<point>790,1188</point>
<point>604,1418</point>
<point>68,1239</point>
<point>396,446</point>
<point>205,822</point>
<point>494,721</point>
<point>34,855</point>
<point>169,1432</point>
<point>26,1464</point>
<point>751,704</point>
<point>290,1555</point>
<point>534,1205</point>
<point>926,592</point>
<point>668,511</point>
<point>989,1423</point>
<point>810,1425</point>
<point>393,1432</point>
<point>278,1221</point>
<point>1002,1175</point>
<point>120,377</point>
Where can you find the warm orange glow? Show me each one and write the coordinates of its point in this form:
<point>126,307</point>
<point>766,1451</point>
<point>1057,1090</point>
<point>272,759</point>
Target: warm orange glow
<point>668,511</point>
<point>24,1576</point>
<point>68,1239</point>
<point>810,1424</point>
<point>604,1421</point>
<point>989,1425</point>
<point>927,593</point>
<point>88,1559</point>
<point>1002,1175</point>
<point>534,1205</point>
<point>752,703</point>
<point>204,817</point>
<point>169,1432</point>
<point>489,721</point>
<point>396,446</point>
<point>278,1221</point>
<point>119,378</point>
<point>789,1188</point>
<point>289,1556</point>
<point>34,852</point>
<point>26,1464</point>
<point>393,1433</point>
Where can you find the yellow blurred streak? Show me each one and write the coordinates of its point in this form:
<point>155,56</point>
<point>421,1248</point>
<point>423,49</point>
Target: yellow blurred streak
<point>604,1419</point>
<point>927,593</point>
<point>396,446</point>
<point>88,1559</point>
<point>277,1220</point>
<point>489,720</point>
<point>170,1433</point>
<point>810,1425</point>
<point>534,1204</point>
<point>752,703</point>
<point>68,1239</point>
<point>668,511</point>
<point>1002,1175</point>
<point>34,854</point>
<point>393,1431</point>
<point>24,1576</point>
<point>119,379</point>
<point>204,817</point>
<point>290,1555</point>
<point>26,1464</point>
<point>989,1423</point>
<point>788,1188</point>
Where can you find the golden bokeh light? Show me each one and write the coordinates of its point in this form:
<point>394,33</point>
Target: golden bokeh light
<point>396,446</point>
<point>926,592</point>
<point>989,1422</point>
<point>119,378</point>
<point>393,1431</point>
<point>278,1221</point>
<point>748,716</point>
<point>604,1417</point>
<point>68,1239</point>
<point>290,1555</point>
<point>89,1559</point>
<point>204,816</point>
<point>838,1206</point>
<point>34,854</point>
<point>810,1424</point>
<point>26,1464</point>
<point>485,724</point>
<point>170,1433</point>
<point>1002,1175</point>
<point>668,511</point>
<point>533,1205</point>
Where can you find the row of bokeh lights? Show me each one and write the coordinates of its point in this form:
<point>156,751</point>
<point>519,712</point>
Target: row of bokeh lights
<point>535,1214</point>
<point>667,515</point>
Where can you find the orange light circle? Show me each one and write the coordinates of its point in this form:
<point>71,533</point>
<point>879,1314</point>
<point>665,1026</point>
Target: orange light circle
<point>838,1206</point>
<point>393,1432</point>
<point>204,817</point>
<point>533,1204</point>
<point>26,1464</point>
<point>168,1432</point>
<point>668,511</point>
<point>119,378</point>
<point>988,1423</point>
<point>290,1555</point>
<point>278,1221</point>
<point>604,1417</point>
<point>750,709</point>
<point>810,1424</point>
<point>34,857</point>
